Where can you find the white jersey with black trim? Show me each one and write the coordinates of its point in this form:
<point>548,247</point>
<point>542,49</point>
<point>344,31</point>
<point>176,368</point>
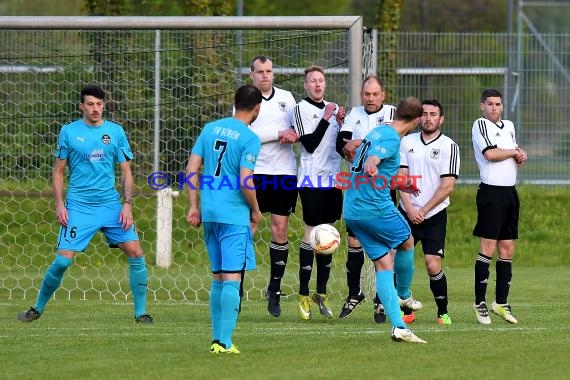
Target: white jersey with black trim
<point>488,135</point>
<point>317,169</point>
<point>431,161</point>
<point>276,115</point>
<point>360,122</point>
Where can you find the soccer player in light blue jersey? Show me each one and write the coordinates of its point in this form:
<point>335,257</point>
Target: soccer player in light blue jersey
<point>91,147</point>
<point>227,148</point>
<point>372,216</point>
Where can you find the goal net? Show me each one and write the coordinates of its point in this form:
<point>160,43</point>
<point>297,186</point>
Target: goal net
<point>166,78</point>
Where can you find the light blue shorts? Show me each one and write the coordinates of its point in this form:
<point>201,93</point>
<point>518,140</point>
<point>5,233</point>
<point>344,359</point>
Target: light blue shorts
<point>230,247</point>
<point>84,222</point>
<point>379,235</point>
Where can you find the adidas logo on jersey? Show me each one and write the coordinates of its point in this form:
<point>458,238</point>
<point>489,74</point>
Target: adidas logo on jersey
<point>411,150</point>
<point>498,134</point>
<point>315,117</point>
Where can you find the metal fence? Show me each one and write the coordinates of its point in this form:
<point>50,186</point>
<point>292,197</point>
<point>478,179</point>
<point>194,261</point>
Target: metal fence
<point>455,68</point>
<point>40,71</point>
<point>166,82</point>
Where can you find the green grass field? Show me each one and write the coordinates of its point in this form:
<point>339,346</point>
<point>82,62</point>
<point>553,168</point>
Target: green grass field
<point>93,339</point>
<point>99,340</point>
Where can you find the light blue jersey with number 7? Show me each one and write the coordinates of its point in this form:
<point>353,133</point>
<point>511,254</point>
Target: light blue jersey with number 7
<point>225,146</point>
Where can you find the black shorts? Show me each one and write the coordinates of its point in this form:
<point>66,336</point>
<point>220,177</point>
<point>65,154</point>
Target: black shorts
<point>276,194</point>
<point>497,212</point>
<point>431,233</point>
<point>320,205</point>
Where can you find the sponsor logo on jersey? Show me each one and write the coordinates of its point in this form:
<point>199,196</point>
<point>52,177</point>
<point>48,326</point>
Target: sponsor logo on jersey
<point>381,149</point>
<point>411,150</point>
<point>315,116</point>
<point>95,155</point>
<point>106,139</point>
<point>82,139</point>
<point>434,154</point>
<point>250,158</point>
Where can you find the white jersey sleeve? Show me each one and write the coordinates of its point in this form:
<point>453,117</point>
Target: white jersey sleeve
<point>488,135</point>
<point>429,162</point>
<point>360,122</point>
<point>276,115</point>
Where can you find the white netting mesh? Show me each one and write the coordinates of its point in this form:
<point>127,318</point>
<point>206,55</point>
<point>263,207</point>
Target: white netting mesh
<point>42,72</point>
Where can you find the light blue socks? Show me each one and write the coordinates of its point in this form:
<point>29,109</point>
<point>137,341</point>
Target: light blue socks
<point>139,281</point>
<point>230,309</point>
<point>389,297</point>
<point>404,268</point>
<point>216,308</point>
<point>52,280</point>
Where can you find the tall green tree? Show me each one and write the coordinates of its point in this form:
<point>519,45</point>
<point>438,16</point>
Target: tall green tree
<point>107,7</point>
<point>296,8</point>
<point>455,16</point>
<point>209,7</point>
<point>389,16</point>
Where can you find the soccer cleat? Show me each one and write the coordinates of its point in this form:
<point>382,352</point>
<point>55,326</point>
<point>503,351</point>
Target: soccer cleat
<point>323,303</point>
<point>482,313</point>
<point>350,303</point>
<point>408,318</point>
<point>379,312</point>
<point>410,303</point>
<point>273,305</point>
<point>145,318</point>
<point>217,348</point>
<point>444,319</point>
<point>503,311</point>
<point>304,307</point>
<point>29,315</point>
<point>405,335</point>
<point>232,350</point>
<point>214,347</point>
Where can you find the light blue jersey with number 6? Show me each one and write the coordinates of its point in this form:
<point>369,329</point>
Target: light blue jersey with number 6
<point>92,153</point>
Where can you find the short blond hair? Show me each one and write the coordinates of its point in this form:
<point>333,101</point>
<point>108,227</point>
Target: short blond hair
<point>313,68</point>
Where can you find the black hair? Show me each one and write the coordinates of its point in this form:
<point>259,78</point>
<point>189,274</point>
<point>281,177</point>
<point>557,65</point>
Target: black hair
<point>92,90</point>
<point>490,93</point>
<point>247,97</point>
<point>435,103</point>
